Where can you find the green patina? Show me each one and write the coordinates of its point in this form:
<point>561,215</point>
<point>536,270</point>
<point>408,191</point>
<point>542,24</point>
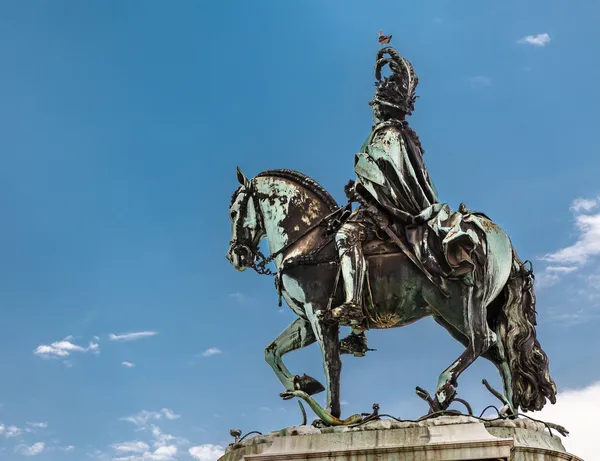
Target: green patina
<point>398,257</point>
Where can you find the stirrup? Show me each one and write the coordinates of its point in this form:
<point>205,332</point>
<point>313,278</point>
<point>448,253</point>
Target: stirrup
<point>355,344</point>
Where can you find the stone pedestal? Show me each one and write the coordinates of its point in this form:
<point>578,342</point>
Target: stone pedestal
<point>456,438</point>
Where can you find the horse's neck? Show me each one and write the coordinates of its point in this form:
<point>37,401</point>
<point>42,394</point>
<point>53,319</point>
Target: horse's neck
<point>282,205</point>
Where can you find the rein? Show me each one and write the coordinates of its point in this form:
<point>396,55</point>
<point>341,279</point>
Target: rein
<point>258,260</point>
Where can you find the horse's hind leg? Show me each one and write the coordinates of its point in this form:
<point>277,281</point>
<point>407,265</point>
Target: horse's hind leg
<point>296,336</point>
<point>480,339</point>
<point>497,356</point>
<point>328,338</point>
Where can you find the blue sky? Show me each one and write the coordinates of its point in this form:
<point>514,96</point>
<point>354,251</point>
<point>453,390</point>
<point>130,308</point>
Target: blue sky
<point>121,123</point>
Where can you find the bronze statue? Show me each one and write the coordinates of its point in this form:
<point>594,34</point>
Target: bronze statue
<point>399,257</point>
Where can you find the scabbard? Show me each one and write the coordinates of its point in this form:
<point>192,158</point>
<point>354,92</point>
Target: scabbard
<point>410,255</point>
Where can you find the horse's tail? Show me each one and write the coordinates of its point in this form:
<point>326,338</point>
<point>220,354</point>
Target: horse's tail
<point>528,363</point>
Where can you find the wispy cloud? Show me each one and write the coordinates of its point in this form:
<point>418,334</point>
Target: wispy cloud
<point>134,446</point>
<point>587,244</point>
<point>584,205</point>
<point>142,418</point>
<point>480,80</point>
<point>30,450</point>
<point>67,449</point>
<point>577,263</point>
<point>561,269</point>
<point>128,364</point>
<point>240,298</point>
<point>159,447</point>
<point>40,425</point>
<point>535,40</point>
<point>211,351</point>
<point>64,348</point>
<point>206,452</point>
<point>136,450</point>
<point>169,414</point>
<point>10,431</point>
<point>132,336</point>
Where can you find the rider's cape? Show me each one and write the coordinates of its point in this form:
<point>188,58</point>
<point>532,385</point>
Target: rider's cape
<point>391,169</point>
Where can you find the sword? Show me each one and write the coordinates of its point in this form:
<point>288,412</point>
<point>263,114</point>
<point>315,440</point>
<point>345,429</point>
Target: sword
<point>383,222</point>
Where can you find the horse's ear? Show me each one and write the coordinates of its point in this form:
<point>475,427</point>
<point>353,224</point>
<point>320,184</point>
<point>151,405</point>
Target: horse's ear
<point>241,177</point>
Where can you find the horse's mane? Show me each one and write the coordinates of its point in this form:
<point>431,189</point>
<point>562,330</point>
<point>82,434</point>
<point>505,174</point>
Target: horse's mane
<point>305,181</point>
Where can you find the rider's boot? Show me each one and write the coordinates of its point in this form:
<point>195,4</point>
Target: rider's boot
<point>353,265</point>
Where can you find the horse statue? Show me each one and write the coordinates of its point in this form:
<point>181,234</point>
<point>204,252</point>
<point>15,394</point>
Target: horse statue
<point>496,319</point>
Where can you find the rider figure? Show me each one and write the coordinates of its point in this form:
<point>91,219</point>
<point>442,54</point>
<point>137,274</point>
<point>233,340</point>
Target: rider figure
<point>390,176</point>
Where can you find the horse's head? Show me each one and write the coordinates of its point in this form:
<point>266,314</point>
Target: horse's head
<point>247,229</point>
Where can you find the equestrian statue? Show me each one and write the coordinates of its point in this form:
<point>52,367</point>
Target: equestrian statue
<point>397,257</point>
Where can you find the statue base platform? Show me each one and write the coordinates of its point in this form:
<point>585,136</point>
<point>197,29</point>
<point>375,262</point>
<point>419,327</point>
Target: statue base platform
<point>447,438</point>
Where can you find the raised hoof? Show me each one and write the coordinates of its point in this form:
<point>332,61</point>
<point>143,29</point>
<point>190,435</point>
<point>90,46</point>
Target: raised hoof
<point>308,384</point>
<point>445,396</point>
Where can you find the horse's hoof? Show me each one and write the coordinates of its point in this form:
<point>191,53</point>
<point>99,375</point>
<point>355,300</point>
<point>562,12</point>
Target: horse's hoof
<point>445,395</point>
<point>318,424</point>
<point>308,384</point>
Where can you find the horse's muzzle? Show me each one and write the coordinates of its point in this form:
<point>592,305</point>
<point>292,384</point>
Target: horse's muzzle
<point>239,256</point>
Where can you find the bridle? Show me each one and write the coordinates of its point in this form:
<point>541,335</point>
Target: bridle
<point>242,246</point>
<point>256,259</point>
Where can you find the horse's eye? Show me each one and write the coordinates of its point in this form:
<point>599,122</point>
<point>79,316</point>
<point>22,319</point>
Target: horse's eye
<point>233,214</point>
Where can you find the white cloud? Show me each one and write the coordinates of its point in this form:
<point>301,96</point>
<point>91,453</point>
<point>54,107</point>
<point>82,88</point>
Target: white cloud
<point>576,410</point>
<point>164,448</point>
<point>536,40</point>
<point>169,414</point>
<point>587,245</point>
<point>206,452</point>
<point>561,269</point>
<point>211,351</point>
<point>40,425</point>
<point>583,204</point>
<point>30,450</point>
<point>128,364</point>
<point>134,446</point>
<point>142,418</point>
<point>64,348</point>
<point>10,431</point>
<point>167,453</point>
<point>131,336</point>
<point>480,80</point>
<point>162,440</point>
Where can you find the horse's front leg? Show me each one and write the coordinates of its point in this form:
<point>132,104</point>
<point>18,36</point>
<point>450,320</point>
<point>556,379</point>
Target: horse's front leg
<point>296,336</point>
<point>328,338</point>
